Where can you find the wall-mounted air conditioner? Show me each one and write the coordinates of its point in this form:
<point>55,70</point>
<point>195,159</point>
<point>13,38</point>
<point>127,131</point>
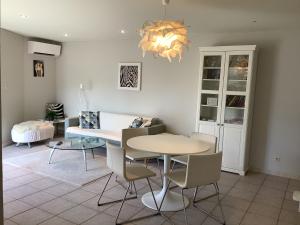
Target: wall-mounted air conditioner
<point>35,47</point>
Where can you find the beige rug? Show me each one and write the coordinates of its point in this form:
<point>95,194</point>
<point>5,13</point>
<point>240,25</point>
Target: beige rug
<point>67,166</point>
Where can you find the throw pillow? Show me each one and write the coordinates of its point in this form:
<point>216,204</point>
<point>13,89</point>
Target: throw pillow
<point>146,123</point>
<point>89,120</point>
<point>57,109</point>
<point>137,123</point>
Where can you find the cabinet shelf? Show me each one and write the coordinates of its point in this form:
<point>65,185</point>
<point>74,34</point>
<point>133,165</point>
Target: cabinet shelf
<point>211,68</point>
<point>215,106</point>
<point>235,107</point>
<point>232,80</point>
<point>211,79</point>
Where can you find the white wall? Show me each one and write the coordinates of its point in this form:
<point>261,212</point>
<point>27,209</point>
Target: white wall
<point>23,96</point>
<point>169,90</point>
<point>38,90</point>
<point>12,80</point>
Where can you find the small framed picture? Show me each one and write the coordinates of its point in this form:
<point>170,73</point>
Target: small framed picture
<point>38,68</point>
<point>129,76</point>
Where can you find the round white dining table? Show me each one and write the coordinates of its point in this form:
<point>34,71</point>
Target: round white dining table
<point>167,145</point>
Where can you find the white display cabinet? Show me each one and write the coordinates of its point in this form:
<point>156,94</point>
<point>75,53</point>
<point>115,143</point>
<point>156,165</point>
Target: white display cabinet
<point>225,99</point>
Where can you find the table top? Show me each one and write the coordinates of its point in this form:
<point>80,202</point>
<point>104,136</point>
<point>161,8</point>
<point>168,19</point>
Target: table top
<point>169,144</point>
<point>77,143</point>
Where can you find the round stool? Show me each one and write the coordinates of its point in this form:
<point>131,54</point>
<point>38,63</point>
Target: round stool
<point>32,131</point>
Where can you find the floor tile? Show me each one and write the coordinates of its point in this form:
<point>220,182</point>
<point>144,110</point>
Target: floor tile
<point>60,189</point>
<point>292,218</point>
<point>31,217</point>
<point>104,218</point>
<point>78,214</point>
<point>13,208</point>
<point>272,201</point>
<point>21,191</point>
<point>9,222</point>
<point>232,216</point>
<point>194,216</point>
<point>236,203</point>
<point>244,186</point>
<point>254,219</point>
<point>38,198</point>
<point>290,205</point>
<point>127,212</point>
<point>56,221</point>
<point>44,183</point>
<point>57,206</point>
<point>79,196</point>
<point>157,220</point>
<point>264,210</point>
<point>247,195</point>
<point>93,203</point>
<point>275,185</point>
<point>210,221</point>
<point>272,193</point>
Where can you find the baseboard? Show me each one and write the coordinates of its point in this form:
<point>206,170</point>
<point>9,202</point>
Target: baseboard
<point>6,143</point>
<point>280,174</point>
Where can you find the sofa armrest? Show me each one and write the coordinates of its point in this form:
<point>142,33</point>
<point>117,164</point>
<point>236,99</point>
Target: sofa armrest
<point>71,122</point>
<point>156,129</point>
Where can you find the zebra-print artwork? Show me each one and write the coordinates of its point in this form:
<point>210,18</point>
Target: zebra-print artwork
<point>57,108</point>
<point>129,76</point>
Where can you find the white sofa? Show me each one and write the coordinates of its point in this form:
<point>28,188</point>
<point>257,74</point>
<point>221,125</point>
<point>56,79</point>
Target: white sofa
<point>111,126</point>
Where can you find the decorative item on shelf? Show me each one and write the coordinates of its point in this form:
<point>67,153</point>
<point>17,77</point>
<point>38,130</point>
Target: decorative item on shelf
<point>165,38</point>
<point>129,76</point>
<point>38,68</point>
<point>212,101</point>
<point>239,61</point>
<point>50,115</point>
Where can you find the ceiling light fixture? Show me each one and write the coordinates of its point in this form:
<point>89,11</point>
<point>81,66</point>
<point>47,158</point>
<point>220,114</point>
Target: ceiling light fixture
<point>66,35</point>
<point>165,38</point>
<point>123,31</point>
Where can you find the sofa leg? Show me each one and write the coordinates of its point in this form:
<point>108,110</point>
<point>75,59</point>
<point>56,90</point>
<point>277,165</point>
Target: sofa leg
<point>29,146</point>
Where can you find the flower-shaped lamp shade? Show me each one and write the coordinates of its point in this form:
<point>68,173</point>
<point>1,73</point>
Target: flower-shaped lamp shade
<point>165,38</point>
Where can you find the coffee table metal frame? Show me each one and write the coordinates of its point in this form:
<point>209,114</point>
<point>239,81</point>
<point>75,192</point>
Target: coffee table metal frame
<point>79,144</point>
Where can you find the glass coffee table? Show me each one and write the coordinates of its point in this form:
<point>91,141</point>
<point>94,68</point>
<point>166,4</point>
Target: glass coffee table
<point>76,144</point>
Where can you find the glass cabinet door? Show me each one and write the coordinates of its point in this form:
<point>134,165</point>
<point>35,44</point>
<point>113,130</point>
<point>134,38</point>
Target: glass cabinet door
<point>234,109</point>
<point>212,66</point>
<point>237,73</point>
<point>211,72</point>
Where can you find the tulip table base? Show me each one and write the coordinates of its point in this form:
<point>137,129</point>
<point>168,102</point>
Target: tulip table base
<point>172,202</point>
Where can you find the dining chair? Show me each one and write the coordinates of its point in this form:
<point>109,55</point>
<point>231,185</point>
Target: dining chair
<point>134,155</point>
<point>116,161</point>
<point>201,170</point>
<point>205,138</point>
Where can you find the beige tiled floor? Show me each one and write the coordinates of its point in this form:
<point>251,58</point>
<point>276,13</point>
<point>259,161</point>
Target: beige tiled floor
<point>255,199</point>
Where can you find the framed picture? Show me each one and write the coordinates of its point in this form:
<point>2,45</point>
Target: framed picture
<point>38,68</point>
<point>129,76</point>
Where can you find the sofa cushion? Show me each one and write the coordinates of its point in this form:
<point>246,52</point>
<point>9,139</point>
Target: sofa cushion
<point>89,120</point>
<point>115,122</point>
<point>137,122</point>
<point>105,134</point>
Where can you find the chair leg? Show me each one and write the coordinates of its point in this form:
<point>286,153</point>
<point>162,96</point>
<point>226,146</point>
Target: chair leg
<point>122,203</point>
<point>164,196</point>
<point>152,194</point>
<point>104,189</point>
<point>195,194</point>
<point>207,213</point>
<point>219,201</point>
<point>173,166</point>
<point>185,217</point>
<point>161,177</point>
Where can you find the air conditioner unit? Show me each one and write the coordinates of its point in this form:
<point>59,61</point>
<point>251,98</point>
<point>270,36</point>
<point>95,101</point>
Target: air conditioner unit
<point>35,47</point>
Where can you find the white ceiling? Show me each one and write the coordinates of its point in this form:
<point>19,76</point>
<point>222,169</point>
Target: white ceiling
<point>87,20</point>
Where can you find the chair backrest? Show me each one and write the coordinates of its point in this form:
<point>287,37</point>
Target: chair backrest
<point>211,140</point>
<point>203,169</point>
<point>130,133</point>
<point>116,159</point>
